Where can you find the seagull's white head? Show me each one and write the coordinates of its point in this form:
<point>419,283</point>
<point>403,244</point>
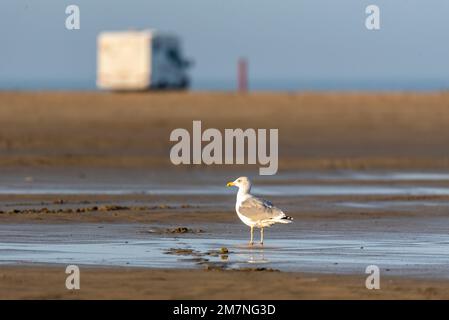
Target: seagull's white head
<point>242,183</point>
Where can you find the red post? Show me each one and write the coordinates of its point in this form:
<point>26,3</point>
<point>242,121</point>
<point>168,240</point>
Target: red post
<point>242,71</point>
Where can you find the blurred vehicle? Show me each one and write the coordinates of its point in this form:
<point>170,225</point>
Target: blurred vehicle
<point>140,60</point>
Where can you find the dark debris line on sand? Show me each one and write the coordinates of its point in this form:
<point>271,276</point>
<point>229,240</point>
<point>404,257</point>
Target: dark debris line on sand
<point>103,208</point>
<point>183,230</point>
<point>175,230</point>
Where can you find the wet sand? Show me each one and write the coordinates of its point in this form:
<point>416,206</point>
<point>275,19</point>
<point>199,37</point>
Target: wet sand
<point>334,237</point>
<point>365,176</point>
<point>125,283</point>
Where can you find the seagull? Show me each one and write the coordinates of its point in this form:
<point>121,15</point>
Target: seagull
<point>256,212</point>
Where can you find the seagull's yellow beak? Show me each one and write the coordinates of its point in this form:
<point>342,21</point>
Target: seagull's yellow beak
<point>230,184</point>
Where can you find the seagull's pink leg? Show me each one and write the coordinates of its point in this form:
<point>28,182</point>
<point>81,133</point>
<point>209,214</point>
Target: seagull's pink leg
<point>252,234</point>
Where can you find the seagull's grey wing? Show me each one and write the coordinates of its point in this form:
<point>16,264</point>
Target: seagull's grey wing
<point>258,209</point>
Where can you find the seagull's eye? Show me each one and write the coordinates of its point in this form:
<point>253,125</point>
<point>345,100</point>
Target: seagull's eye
<point>239,180</point>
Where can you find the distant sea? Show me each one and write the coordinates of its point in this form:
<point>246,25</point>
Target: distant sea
<point>255,85</point>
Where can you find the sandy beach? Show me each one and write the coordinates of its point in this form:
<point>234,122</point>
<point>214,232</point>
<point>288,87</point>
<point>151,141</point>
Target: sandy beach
<point>125,283</point>
<point>328,130</point>
<point>86,179</point>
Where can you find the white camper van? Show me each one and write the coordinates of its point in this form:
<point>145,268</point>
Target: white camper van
<point>140,60</point>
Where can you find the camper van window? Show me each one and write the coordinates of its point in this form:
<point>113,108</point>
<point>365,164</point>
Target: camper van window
<point>156,45</point>
<point>173,55</point>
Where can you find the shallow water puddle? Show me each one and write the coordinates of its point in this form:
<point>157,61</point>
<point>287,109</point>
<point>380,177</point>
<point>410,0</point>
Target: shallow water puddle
<point>393,204</point>
<point>422,255</point>
<point>284,184</point>
<point>273,190</point>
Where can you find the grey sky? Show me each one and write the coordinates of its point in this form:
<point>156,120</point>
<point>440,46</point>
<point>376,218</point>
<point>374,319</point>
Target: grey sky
<point>304,40</point>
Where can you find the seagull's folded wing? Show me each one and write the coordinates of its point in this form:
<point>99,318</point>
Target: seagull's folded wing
<point>258,209</point>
